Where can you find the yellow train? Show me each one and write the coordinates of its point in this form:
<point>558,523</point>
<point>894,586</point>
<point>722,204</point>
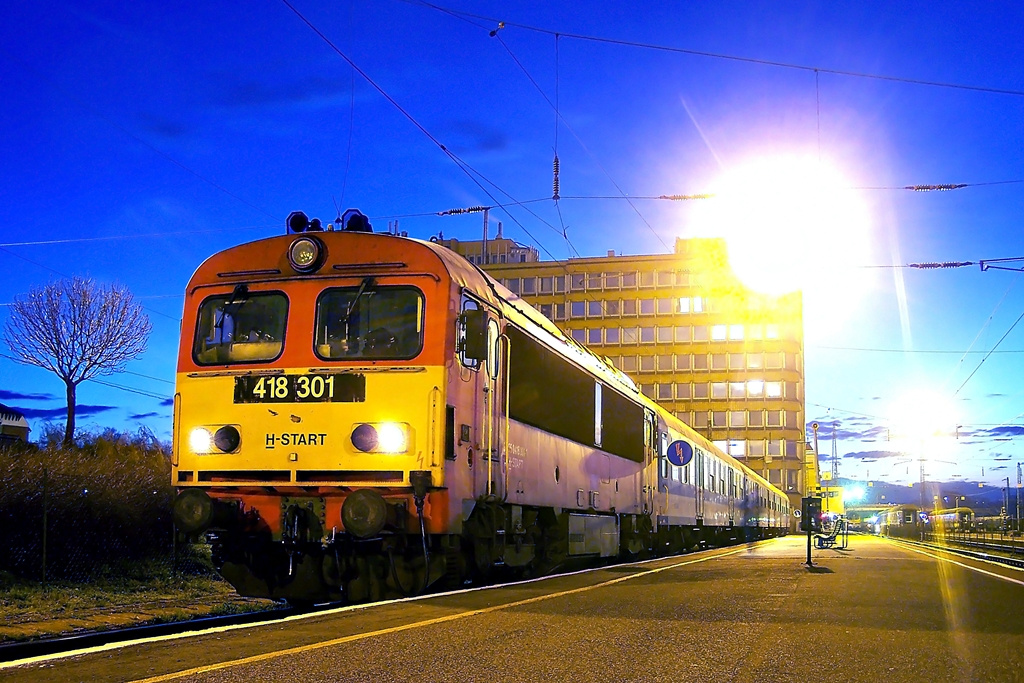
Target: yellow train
<point>360,415</point>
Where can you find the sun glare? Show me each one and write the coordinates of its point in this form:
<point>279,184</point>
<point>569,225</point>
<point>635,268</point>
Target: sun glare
<point>789,223</point>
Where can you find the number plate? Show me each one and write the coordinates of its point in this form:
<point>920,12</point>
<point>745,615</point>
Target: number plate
<point>346,388</point>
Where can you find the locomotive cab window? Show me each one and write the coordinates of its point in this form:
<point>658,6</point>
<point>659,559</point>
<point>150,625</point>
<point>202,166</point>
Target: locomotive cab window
<point>369,321</point>
<point>240,327</point>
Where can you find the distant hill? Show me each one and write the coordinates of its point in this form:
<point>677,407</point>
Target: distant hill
<point>985,500</point>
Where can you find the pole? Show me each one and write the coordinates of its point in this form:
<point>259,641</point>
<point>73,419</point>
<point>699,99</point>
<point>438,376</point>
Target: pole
<point>44,527</point>
<point>487,214</point>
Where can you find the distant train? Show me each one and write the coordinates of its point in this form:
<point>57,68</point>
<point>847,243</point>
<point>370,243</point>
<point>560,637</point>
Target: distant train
<point>902,521</point>
<point>948,520</point>
<point>363,415</point>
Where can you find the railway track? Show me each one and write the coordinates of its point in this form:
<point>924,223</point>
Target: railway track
<point>976,549</point>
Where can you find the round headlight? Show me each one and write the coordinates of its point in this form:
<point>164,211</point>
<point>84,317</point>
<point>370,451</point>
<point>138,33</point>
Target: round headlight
<point>227,439</point>
<point>200,440</point>
<point>364,437</point>
<point>192,511</point>
<point>392,438</point>
<point>305,254</point>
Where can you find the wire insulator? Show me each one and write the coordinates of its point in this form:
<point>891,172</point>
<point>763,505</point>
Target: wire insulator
<point>685,197</point>
<point>936,188</point>
<point>554,182</point>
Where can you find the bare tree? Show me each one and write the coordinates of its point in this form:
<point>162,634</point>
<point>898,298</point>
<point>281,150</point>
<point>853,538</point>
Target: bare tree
<point>77,330</point>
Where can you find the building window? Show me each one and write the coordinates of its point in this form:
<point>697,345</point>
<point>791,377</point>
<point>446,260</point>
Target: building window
<point>559,311</point>
<point>628,280</point>
<point>700,333</point>
<point>735,332</point>
<point>718,419</point>
<point>664,335</point>
<point>791,361</point>
<point>682,361</point>
<point>683,390</point>
<point>547,310</point>
<point>718,361</point>
<point>736,361</point>
<point>611,307</point>
<point>700,420</point>
<point>700,390</point>
<point>629,335</point>
<point>774,418</point>
<point>665,278</point>
<point>664,392</point>
<point>700,361</point>
<point>773,360</point>
<point>611,335</point>
<point>791,419</point>
<point>755,449</point>
<point>791,392</point>
<point>773,389</point>
<point>647,279</point>
<point>755,361</point>
<point>646,363</point>
<point>629,363</point>
<point>595,309</point>
<point>697,305</point>
<point>718,332</point>
<point>629,307</point>
<point>774,448</point>
<point>611,280</point>
<point>755,388</point>
<point>790,448</point>
<point>646,335</point>
<point>577,309</point>
<point>646,306</point>
<point>576,281</point>
<point>682,278</point>
<point>737,389</point>
<point>719,390</point>
<point>683,333</point>
<point>579,335</point>
<point>755,418</point>
<point>546,285</point>
<point>513,285</point>
<point>647,390</point>
<point>664,306</point>
<point>594,281</point>
<point>684,304</point>
<point>665,363</point>
<point>559,283</point>
<point>737,418</point>
<point>594,336</point>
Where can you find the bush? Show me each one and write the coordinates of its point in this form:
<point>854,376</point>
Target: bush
<point>106,500</point>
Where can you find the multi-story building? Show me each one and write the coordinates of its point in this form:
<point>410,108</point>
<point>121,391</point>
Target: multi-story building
<point>727,360</point>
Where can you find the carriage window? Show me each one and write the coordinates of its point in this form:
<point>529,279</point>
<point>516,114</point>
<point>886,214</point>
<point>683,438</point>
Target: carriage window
<point>369,321</point>
<point>240,327</point>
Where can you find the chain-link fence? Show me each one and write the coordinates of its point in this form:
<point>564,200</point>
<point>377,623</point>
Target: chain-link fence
<point>98,510</point>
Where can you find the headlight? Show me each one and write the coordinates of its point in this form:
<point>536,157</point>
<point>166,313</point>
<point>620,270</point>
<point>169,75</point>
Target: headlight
<point>305,254</point>
<point>200,440</point>
<point>203,441</point>
<point>382,437</point>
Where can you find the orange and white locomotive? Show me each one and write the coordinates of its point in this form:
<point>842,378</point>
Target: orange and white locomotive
<point>360,415</point>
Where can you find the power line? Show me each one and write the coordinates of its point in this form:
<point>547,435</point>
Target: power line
<point>723,56</point>
<point>924,351</point>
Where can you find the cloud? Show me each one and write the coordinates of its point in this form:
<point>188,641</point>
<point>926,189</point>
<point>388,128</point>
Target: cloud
<point>164,127</point>
<point>998,467</point>
<point>167,402</point>
<point>250,93</point>
<point>848,429</point>
<point>142,416</point>
<point>6,395</point>
<point>1003,430</point>
<point>472,136</point>
<point>83,410</point>
<point>872,456</point>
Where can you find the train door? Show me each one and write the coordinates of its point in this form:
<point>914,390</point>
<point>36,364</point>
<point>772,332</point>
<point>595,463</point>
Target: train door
<point>698,488</point>
<point>482,351</point>
<point>731,487</point>
<point>651,460</point>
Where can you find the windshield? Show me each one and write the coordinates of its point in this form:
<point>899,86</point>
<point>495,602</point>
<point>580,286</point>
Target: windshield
<point>240,327</point>
<point>368,321</point>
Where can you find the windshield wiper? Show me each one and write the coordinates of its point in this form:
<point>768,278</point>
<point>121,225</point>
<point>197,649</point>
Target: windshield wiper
<point>367,282</point>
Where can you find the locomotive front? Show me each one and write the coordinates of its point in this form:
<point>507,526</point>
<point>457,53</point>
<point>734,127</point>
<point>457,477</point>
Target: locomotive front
<point>309,414</point>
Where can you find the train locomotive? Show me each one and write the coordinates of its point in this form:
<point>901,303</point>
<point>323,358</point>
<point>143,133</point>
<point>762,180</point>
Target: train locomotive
<point>362,415</point>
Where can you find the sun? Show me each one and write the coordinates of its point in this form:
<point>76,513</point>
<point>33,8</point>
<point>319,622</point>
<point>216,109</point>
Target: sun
<point>790,223</point>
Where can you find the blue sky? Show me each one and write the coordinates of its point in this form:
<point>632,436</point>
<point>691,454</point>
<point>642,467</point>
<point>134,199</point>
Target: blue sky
<point>140,138</point>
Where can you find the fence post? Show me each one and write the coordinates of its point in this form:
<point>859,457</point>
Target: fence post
<point>44,526</point>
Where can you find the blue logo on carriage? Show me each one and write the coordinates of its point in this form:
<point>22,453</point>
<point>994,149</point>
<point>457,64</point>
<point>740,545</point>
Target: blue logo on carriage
<point>679,453</point>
